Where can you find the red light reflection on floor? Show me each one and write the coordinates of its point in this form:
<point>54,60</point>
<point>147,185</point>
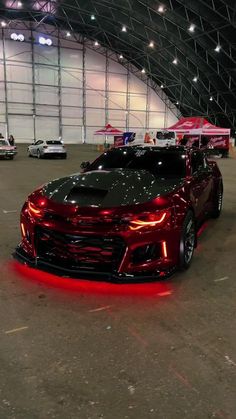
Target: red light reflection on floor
<point>91,287</point>
<point>202,229</point>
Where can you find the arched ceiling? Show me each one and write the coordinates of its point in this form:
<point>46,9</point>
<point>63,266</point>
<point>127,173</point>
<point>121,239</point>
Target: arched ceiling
<point>202,82</point>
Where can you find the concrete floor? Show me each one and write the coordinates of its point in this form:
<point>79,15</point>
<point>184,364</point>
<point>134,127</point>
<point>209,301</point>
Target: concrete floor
<point>81,350</point>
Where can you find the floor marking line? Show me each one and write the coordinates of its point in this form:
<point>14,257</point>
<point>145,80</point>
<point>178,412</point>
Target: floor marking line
<point>9,212</point>
<point>221,279</point>
<point>95,310</point>
<point>8,332</point>
<point>230,361</point>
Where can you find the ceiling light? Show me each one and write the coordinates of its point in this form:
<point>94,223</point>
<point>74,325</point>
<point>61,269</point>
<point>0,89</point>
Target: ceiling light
<point>124,29</point>
<point>161,9</point>
<point>191,28</point>
<point>218,48</point>
<point>177,103</point>
<point>19,4</point>
<point>143,71</point>
<point>211,98</point>
<point>96,43</point>
<point>3,24</point>
<point>17,37</point>
<point>151,45</point>
<point>68,34</point>
<point>93,17</point>
<point>162,86</point>
<point>45,41</point>
<point>175,61</point>
<point>21,37</point>
<point>121,57</point>
<point>195,79</point>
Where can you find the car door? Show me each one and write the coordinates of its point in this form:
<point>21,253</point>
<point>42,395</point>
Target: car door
<point>202,183</point>
<point>33,148</point>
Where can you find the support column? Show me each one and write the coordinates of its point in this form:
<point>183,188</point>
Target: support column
<point>59,87</point>
<point>127,100</point>
<point>107,90</point>
<point>147,107</point>
<point>84,128</point>
<point>5,84</point>
<point>33,86</point>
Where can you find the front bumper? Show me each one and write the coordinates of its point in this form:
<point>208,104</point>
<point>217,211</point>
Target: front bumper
<point>114,277</point>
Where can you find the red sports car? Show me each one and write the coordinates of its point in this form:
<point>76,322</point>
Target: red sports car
<point>131,215</point>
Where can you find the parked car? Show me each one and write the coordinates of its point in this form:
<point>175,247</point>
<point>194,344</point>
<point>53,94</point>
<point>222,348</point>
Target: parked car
<point>132,214</point>
<point>47,148</point>
<point>6,150</point>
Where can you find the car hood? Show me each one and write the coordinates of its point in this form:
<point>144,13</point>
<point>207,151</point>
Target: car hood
<point>110,188</point>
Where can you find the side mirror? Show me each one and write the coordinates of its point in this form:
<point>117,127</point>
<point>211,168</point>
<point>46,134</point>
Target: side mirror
<point>85,165</point>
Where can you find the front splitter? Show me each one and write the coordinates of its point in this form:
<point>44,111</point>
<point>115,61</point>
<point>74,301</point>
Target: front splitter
<point>113,277</point>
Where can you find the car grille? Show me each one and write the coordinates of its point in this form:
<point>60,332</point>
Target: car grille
<point>79,252</point>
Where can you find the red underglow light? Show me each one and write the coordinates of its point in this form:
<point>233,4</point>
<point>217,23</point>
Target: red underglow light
<point>164,249</point>
<point>80,286</point>
<point>202,229</point>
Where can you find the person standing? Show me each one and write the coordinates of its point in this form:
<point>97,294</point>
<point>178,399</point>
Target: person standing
<point>11,140</point>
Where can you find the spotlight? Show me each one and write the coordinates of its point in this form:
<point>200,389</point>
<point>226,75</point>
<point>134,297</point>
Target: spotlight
<point>96,44</point>
<point>162,86</point>
<point>93,17</point>
<point>20,37</point>
<point>68,34</point>
<point>143,71</point>
<point>177,103</point>
<point>191,28</point>
<point>151,45</point>
<point>175,61</point>
<point>218,48</point>
<point>161,9</point>
<point>211,99</point>
<point>195,79</point>
<point>121,57</point>
<point>45,41</point>
<point>124,29</point>
<point>3,24</point>
<point>19,4</point>
<point>14,36</point>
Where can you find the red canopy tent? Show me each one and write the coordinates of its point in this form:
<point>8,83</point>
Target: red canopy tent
<point>197,125</point>
<point>108,130</point>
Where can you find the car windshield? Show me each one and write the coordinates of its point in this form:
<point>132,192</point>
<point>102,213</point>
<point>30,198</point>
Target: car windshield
<point>3,142</point>
<point>54,142</point>
<point>161,163</point>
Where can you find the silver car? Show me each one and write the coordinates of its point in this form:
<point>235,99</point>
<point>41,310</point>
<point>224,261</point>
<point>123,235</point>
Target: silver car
<point>47,148</point>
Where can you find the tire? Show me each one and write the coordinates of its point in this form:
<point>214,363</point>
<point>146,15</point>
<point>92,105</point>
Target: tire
<point>39,154</point>
<point>29,154</point>
<point>218,201</point>
<point>11,157</point>
<point>187,241</point>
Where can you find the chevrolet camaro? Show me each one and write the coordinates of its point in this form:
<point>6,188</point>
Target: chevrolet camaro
<point>132,214</point>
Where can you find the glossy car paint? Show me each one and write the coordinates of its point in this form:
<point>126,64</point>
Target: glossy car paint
<point>6,150</point>
<point>129,195</point>
<point>44,148</point>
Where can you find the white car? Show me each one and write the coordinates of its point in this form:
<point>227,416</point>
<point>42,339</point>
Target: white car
<point>47,148</point>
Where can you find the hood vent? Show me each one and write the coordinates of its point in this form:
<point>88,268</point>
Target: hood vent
<point>86,196</point>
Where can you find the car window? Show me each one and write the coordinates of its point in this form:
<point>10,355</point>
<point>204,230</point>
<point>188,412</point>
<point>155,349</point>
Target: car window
<point>160,163</point>
<point>3,142</point>
<point>37,142</point>
<point>54,142</point>
<point>198,162</point>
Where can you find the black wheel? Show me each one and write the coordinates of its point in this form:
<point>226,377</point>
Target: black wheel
<point>187,241</point>
<point>218,201</point>
<point>39,154</point>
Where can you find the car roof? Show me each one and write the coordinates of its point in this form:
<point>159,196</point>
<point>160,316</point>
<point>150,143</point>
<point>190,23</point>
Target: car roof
<point>176,148</point>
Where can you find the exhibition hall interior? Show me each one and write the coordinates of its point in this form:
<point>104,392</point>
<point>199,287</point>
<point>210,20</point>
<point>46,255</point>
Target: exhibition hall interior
<point>117,209</point>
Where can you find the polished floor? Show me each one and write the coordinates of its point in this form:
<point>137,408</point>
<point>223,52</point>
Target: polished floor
<point>86,350</point>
